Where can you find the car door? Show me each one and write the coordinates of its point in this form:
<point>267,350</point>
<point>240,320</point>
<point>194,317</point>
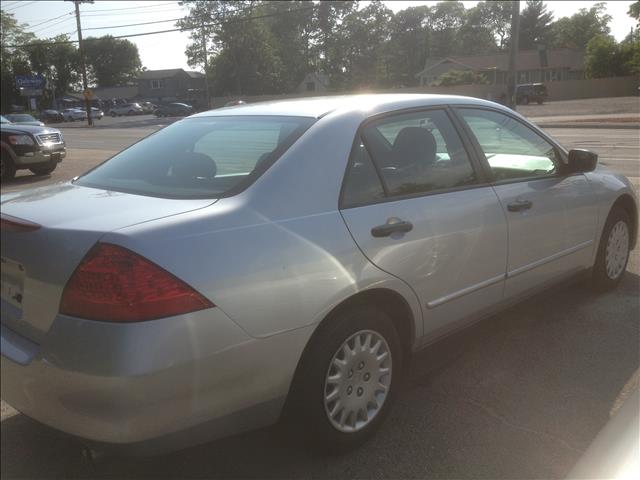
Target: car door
<point>416,205</point>
<point>551,215</point>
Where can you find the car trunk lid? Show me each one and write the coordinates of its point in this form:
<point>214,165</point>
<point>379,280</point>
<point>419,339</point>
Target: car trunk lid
<point>47,231</point>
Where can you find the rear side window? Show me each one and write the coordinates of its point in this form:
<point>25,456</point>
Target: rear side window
<point>418,153</point>
<point>205,157</point>
<point>362,184</point>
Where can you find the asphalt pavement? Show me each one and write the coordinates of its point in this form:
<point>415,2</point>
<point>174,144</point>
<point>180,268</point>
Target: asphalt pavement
<point>519,395</point>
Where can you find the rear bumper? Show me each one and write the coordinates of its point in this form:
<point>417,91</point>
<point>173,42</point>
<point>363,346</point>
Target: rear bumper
<point>152,386</point>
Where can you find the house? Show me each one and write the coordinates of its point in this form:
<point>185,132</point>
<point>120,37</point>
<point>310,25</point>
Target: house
<point>314,82</point>
<point>532,66</point>
<point>172,85</point>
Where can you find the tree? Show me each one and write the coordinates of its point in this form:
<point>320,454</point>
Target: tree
<point>601,57</point>
<point>57,61</point>
<point>634,11</point>
<point>576,31</point>
<point>535,25</point>
<point>111,61</point>
<point>496,15</point>
<point>408,45</point>
<point>476,35</point>
<point>359,47</point>
<point>446,21</point>
<point>15,60</point>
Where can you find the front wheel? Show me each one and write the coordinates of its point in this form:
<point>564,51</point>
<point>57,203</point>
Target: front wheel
<point>113,114</point>
<point>7,168</point>
<point>346,382</point>
<point>613,251</point>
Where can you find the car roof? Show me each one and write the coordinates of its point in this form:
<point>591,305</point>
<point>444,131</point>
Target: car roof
<point>317,107</point>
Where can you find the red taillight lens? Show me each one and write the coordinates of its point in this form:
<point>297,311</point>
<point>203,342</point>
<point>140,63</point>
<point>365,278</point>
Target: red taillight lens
<point>116,285</point>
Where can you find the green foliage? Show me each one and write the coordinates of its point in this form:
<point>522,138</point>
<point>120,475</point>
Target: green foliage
<point>461,77</point>
<point>15,61</point>
<point>606,58</point>
<point>111,61</point>
<point>535,25</point>
<point>634,11</point>
<point>576,31</point>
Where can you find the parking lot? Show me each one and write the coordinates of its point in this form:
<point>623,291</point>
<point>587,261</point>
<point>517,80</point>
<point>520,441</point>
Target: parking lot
<point>519,395</point>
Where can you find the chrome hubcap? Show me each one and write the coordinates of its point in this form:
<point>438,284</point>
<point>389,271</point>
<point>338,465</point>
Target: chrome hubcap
<point>617,250</point>
<point>357,382</point>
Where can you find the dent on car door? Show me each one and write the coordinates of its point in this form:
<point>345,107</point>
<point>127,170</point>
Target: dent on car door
<point>551,215</point>
<point>413,202</point>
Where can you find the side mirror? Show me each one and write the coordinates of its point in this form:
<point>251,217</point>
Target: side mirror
<point>582,160</point>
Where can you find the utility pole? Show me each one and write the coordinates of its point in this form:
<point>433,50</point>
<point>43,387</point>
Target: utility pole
<point>513,53</point>
<point>206,66</point>
<point>83,66</point>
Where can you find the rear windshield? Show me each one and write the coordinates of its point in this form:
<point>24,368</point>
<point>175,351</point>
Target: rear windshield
<point>205,157</point>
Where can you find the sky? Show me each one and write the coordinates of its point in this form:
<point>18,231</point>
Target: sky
<point>167,50</point>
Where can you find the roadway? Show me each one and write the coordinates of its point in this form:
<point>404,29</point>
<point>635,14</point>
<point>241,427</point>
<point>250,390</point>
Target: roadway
<point>519,395</point>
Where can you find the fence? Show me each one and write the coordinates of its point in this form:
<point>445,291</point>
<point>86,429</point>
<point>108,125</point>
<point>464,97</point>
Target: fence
<point>564,90</point>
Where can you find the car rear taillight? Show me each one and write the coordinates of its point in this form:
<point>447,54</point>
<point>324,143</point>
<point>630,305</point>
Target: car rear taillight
<point>13,224</point>
<point>115,284</point>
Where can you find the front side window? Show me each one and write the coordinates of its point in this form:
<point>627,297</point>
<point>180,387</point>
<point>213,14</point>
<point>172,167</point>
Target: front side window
<point>418,153</point>
<point>513,150</point>
<point>205,157</point>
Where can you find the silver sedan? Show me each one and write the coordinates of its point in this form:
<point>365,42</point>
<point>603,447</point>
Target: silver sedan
<point>285,259</point>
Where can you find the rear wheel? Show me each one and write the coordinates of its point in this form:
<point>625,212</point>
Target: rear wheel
<point>44,169</point>
<point>613,251</point>
<point>346,382</point>
<point>7,168</point>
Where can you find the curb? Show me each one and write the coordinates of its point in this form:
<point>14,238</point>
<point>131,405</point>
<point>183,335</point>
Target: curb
<point>611,126</point>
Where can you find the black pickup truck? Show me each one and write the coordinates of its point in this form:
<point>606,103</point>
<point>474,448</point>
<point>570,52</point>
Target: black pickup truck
<point>38,149</point>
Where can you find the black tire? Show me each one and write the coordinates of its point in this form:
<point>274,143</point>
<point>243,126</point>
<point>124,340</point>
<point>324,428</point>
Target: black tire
<point>306,407</point>
<point>113,114</point>
<point>7,168</point>
<point>540,102</point>
<point>601,279</point>
<point>44,169</point>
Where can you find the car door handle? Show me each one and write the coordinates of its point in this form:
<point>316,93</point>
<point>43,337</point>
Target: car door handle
<point>391,227</point>
<point>519,205</point>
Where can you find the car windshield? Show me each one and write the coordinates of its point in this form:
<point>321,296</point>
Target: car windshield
<point>205,157</point>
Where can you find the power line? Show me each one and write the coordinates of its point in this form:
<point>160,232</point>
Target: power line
<point>22,4</point>
<point>157,32</point>
<point>166,10</point>
<point>50,20</point>
<point>163,4</point>
<point>46,27</point>
<point>134,24</point>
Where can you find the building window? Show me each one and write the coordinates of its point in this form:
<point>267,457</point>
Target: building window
<point>156,84</point>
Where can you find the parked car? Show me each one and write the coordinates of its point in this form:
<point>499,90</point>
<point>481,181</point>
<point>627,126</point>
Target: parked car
<point>23,119</point>
<point>148,107</point>
<point>96,113</point>
<point>285,259</point>
<point>174,110</point>
<point>51,116</point>
<point>73,114</point>
<point>531,92</point>
<point>32,147</point>
<point>125,109</point>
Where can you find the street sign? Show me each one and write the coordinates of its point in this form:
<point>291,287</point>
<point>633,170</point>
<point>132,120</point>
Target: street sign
<point>30,92</point>
<point>36,82</point>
